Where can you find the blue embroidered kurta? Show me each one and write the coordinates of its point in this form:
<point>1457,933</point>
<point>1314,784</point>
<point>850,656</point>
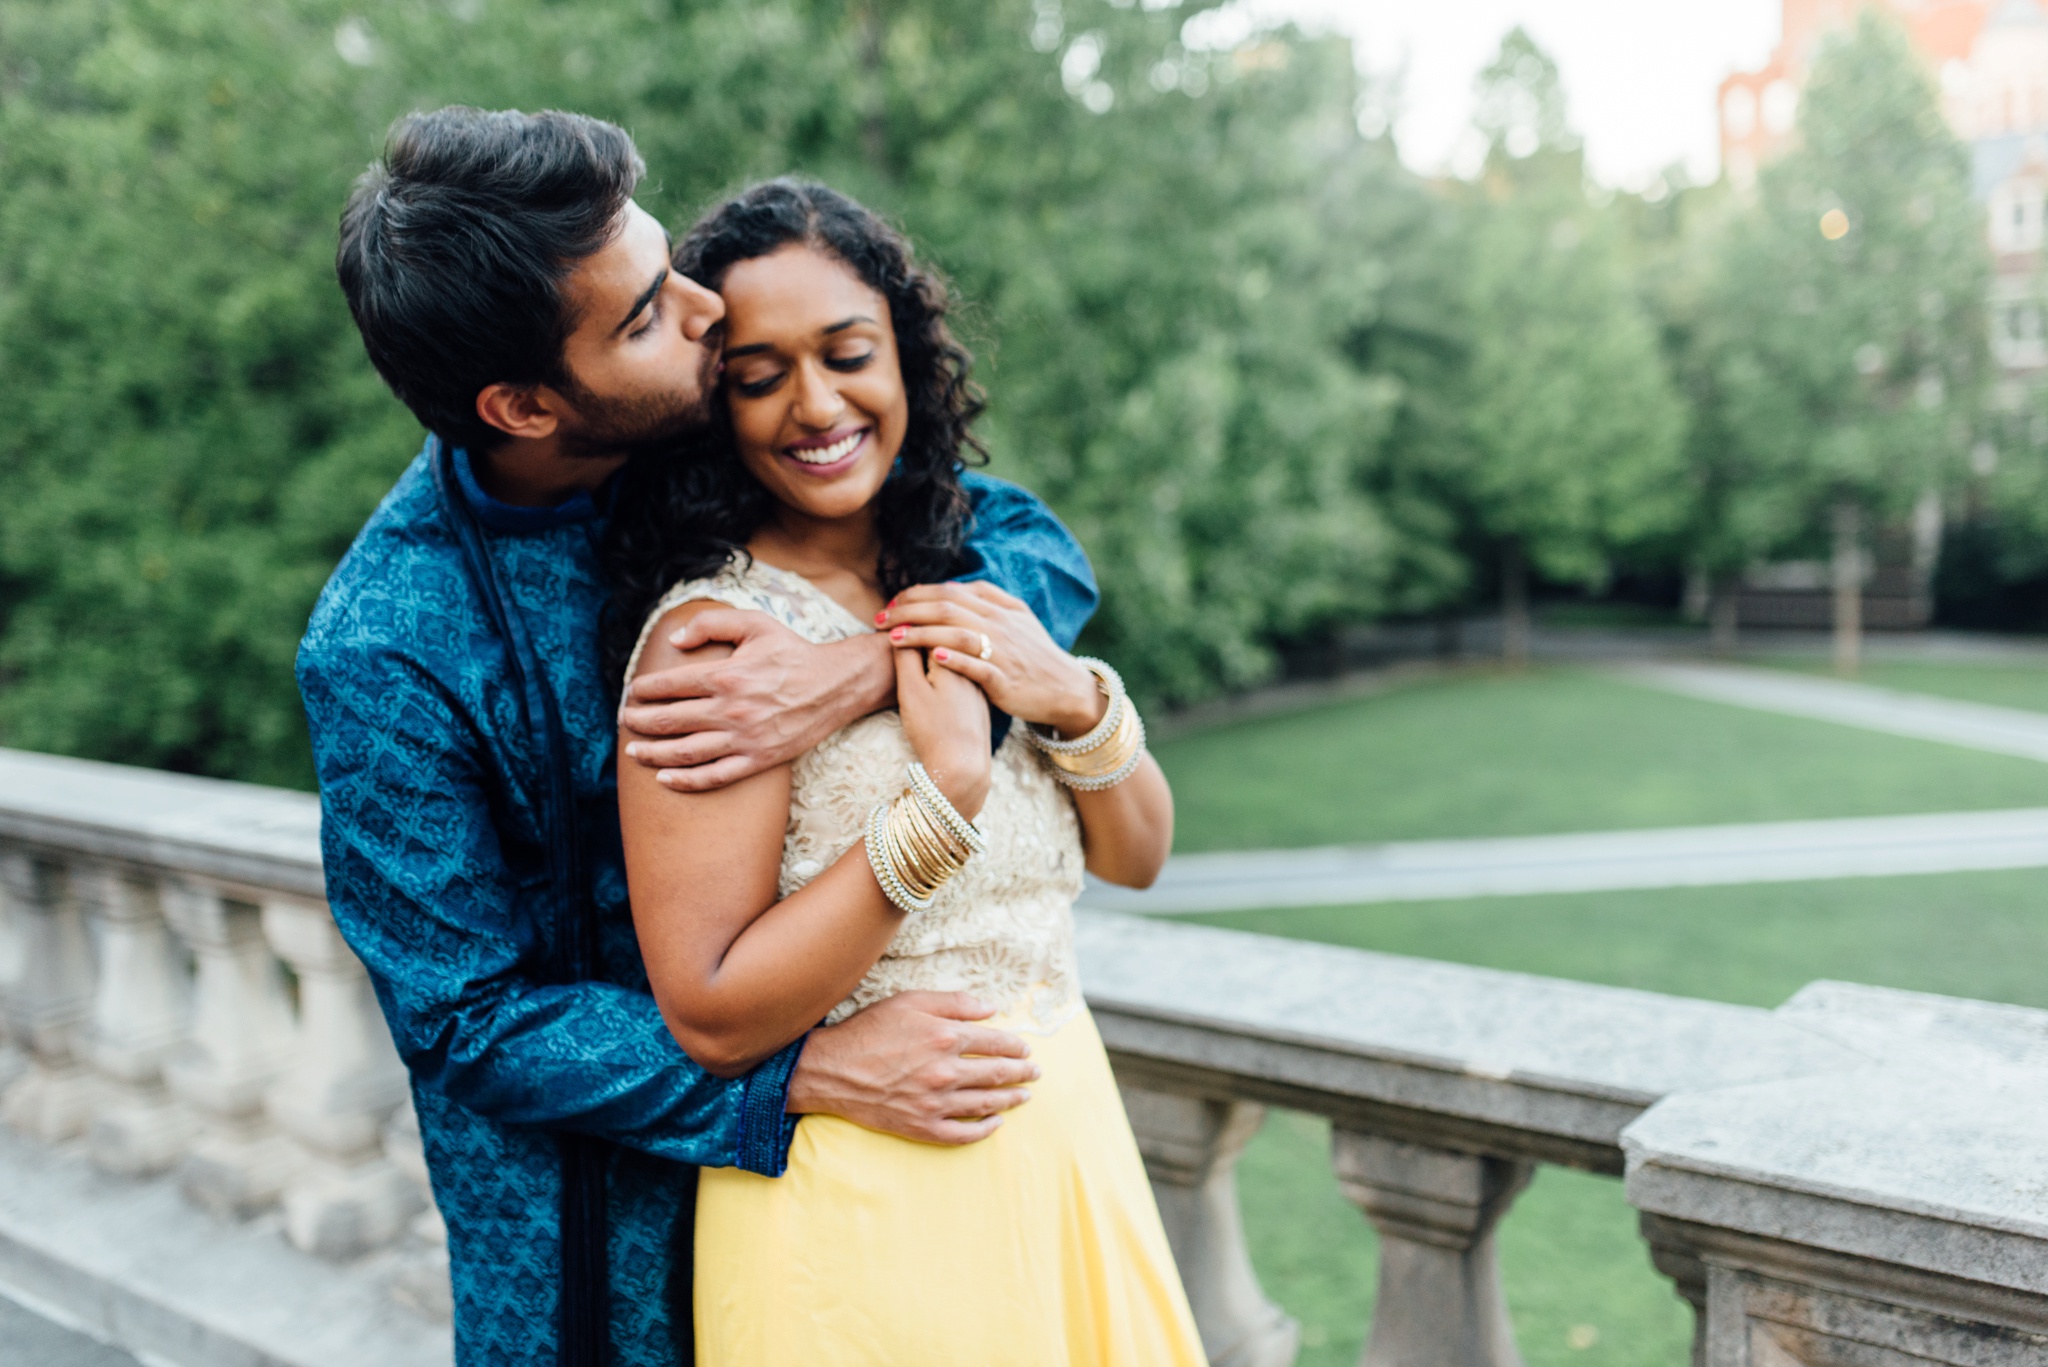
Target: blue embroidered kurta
<point>430,794</point>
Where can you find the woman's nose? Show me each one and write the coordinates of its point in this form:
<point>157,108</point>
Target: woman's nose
<point>816,402</point>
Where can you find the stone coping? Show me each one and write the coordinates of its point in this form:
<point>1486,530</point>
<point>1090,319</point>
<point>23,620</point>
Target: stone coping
<point>1942,1170</point>
<point>239,832</point>
<point>1566,1060</point>
<point>1932,1156</point>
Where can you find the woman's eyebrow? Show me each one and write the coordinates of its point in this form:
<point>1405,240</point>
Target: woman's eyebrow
<point>755,348</point>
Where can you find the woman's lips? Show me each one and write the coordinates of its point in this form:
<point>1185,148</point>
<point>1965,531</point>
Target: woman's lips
<point>829,455</point>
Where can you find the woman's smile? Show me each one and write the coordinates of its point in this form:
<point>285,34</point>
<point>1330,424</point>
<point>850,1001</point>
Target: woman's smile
<point>829,454</point>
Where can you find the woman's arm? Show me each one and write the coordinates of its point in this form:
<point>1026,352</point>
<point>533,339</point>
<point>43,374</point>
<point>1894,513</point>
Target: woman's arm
<point>737,974</point>
<point>1127,829</point>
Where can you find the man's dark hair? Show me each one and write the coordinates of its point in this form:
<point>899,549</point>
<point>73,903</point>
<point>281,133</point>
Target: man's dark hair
<point>454,248</point>
<point>679,514</point>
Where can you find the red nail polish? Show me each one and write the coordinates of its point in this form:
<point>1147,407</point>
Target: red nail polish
<point>940,654</point>
<point>898,634</point>
<point>882,617</point>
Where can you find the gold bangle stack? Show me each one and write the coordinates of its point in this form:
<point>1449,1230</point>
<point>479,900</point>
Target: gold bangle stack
<point>1110,752</point>
<point>918,842</point>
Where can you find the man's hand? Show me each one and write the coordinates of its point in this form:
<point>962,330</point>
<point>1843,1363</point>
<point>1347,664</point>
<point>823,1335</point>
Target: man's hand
<point>903,1066</point>
<point>708,723</point>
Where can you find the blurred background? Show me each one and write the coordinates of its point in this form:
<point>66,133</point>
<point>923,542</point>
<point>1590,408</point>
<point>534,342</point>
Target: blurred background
<point>1437,447</point>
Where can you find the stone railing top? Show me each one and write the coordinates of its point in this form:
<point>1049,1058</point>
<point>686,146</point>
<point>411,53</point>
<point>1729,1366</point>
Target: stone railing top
<point>1325,1026</point>
<point>1919,1027</point>
<point>1930,1157</point>
<point>238,832</point>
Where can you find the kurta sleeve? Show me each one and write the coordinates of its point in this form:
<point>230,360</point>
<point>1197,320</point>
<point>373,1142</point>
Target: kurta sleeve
<point>1020,547</point>
<point>455,941</point>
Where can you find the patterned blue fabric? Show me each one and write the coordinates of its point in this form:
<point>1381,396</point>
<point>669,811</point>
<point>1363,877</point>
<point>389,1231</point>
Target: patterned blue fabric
<point>430,791</point>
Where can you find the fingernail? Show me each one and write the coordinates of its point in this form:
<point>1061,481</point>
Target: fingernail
<point>882,617</point>
<point>941,654</point>
<point>1024,1094</point>
<point>898,634</point>
<point>633,751</point>
<point>1036,1072</point>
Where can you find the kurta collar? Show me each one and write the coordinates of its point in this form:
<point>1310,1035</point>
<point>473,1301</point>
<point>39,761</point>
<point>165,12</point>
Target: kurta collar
<point>577,509</point>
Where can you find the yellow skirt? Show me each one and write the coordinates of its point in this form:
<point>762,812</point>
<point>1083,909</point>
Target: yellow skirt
<point>1039,1246</point>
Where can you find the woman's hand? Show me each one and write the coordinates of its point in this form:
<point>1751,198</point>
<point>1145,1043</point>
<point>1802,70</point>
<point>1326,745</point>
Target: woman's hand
<point>946,718</point>
<point>1026,673</point>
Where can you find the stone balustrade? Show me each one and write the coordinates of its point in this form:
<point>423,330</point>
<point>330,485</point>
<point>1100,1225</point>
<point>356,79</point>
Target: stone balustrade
<point>213,1156</point>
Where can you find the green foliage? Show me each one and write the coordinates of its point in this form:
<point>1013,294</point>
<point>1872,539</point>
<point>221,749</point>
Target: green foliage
<point>1574,426</point>
<point>1848,321</point>
<point>1173,257</point>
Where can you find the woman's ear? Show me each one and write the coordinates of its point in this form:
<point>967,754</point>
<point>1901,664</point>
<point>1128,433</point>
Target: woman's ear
<point>530,411</point>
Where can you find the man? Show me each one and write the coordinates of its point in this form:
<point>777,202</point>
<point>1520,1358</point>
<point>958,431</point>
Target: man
<point>517,300</point>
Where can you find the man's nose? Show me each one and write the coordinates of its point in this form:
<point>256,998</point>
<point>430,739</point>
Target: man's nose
<point>701,310</point>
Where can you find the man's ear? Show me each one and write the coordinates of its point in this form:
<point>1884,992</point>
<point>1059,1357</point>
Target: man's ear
<point>531,411</point>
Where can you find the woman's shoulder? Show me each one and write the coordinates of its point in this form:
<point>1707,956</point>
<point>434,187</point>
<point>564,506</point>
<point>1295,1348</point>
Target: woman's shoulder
<point>753,585</point>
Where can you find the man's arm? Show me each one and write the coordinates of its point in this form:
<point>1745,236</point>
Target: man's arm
<point>776,696</point>
<point>1029,554</point>
<point>456,943</point>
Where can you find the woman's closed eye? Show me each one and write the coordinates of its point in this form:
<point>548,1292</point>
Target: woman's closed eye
<point>758,386</point>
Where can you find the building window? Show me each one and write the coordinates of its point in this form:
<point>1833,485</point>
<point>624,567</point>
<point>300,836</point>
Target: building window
<point>1738,112</point>
<point>2017,217</point>
<point>1780,106</point>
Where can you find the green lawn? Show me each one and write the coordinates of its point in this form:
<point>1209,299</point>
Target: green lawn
<point>1551,750</point>
<point>2004,684</point>
<point>1963,934</point>
<point>1560,750</point>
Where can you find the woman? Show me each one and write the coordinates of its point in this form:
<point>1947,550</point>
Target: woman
<point>816,889</point>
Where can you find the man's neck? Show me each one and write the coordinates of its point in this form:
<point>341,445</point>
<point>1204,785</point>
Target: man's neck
<point>536,474</point>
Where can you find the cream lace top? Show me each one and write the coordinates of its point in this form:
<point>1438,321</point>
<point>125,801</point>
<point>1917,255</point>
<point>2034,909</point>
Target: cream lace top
<point>1003,928</point>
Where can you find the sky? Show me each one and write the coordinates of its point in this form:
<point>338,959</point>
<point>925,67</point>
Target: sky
<point>1639,75</point>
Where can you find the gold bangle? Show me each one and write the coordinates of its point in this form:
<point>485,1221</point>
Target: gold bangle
<point>1109,756</point>
<point>930,858</point>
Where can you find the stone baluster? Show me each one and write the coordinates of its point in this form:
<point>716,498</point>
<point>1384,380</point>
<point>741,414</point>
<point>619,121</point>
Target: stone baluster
<point>13,873</point>
<point>422,1278</point>
<point>53,1098</point>
<point>1191,1147</point>
<point>344,1084</point>
<point>241,1039</point>
<point>1439,1301</point>
<point>140,1011</point>
<point>1673,1253</point>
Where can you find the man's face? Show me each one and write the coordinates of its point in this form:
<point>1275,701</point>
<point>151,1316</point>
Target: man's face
<point>639,367</point>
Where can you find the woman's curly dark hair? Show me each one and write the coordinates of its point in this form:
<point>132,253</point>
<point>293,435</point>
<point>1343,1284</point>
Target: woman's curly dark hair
<point>679,514</point>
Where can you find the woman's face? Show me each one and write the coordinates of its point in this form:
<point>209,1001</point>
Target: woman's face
<point>812,380</point>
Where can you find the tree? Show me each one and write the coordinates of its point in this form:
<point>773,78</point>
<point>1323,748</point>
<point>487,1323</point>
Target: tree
<point>1574,426</point>
<point>1848,324</point>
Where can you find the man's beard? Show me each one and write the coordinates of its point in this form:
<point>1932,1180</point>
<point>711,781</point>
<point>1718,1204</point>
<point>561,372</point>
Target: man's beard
<point>605,428</point>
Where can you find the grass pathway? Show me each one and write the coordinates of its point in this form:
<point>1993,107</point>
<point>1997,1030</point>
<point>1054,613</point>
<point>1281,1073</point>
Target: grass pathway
<point>1973,725</point>
<point>1690,856</point>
